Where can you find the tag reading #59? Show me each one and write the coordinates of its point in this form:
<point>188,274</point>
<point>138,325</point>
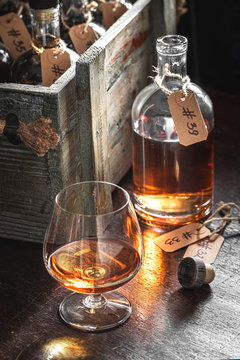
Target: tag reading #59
<point>181,237</point>
<point>187,117</point>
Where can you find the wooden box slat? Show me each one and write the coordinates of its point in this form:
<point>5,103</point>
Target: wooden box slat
<point>108,76</point>
<point>28,183</point>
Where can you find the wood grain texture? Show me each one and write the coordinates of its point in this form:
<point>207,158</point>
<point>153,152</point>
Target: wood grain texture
<point>167,322</point>
<point>109,76</point>
<point>28,184</point>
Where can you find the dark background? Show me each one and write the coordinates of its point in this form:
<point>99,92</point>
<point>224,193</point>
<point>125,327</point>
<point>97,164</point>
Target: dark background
<point>213,30</point>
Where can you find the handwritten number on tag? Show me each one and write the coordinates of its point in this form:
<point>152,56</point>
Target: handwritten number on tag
<point>187,117</point>
<point>181,237</point>
<point>191,130</point>
<point>171,241</point>
<point>19,45</point>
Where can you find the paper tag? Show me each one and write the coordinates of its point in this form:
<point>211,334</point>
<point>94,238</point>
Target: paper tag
<point>14,34</point>
<point>187,117</point>
<point>110,16</point>
<point>81,39</point>
<point>181,237</point>
<point>53,64</point>
<point>205,250</point>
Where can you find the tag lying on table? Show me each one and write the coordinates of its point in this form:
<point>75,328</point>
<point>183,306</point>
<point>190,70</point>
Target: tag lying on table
<point>206,250</point>
<point>187,117</point>
<point>182,237</point>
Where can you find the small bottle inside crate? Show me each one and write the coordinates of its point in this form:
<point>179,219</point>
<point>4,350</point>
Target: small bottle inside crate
<point>45,18</point>
<point>5,64</point>
<point>76,12</point>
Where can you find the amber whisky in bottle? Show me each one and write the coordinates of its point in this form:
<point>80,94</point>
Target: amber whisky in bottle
<point>173,183</point>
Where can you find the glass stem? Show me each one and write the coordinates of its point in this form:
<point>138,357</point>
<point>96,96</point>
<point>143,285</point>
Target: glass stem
<point>94,301</point>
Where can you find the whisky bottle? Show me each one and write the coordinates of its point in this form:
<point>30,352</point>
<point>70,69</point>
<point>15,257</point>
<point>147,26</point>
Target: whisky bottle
<point>24,13</point>
<point>5,64</point>
<point>173,183</point>
<point>20,7</point>
<point>76,12</point>
<point>45,17</point>
<point>7,6</point>
<point>97,14</point>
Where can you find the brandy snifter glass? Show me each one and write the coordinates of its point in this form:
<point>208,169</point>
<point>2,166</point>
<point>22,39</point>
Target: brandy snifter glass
<point>92,246</point>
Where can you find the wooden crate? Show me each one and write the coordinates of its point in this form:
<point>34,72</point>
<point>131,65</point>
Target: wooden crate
<point>91,113</point>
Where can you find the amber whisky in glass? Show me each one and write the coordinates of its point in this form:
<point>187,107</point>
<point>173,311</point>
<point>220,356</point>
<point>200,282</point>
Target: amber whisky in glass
<point>93,245</point>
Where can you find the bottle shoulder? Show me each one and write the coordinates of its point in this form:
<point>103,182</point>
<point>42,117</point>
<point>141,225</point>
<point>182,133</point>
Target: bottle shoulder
<point>152,100</point>
<point>141,99</point>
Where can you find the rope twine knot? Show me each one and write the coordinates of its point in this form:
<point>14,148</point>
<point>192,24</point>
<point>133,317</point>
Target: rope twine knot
<point>87,9</point>
<point>61,48</point>
<point>166,72</point>
<point>226,210</point>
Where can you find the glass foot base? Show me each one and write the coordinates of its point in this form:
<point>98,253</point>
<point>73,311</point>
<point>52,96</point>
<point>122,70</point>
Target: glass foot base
<point>95,312</point>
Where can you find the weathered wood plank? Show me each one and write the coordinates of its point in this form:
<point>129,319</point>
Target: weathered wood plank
<point>115,68</point>
<point>28,184</point>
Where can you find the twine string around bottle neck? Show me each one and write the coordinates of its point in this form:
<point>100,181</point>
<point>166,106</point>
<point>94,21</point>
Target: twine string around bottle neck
<point>61,49</point>
<point>23,6</point>
<point>227,210</point>
<point>86,8</point>
<point>185,80</point>
<point>89,19</point>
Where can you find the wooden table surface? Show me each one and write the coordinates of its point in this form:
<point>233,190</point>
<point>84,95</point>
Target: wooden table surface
<point>167,321</point>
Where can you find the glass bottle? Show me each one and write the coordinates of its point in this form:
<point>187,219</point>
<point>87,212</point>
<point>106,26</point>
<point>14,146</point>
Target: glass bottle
<point>97,14</point>
<point>173,184</point>
<point>5,64</point>
<point>20,7</point>
<point>7,6</point>
<point>24,13</point>
<point>45,17</point>
<point>74,12</point>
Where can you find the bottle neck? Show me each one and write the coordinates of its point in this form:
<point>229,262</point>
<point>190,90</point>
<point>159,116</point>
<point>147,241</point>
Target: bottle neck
<point>45,27</point>
<point>177,64</point>
<point>74,12</point>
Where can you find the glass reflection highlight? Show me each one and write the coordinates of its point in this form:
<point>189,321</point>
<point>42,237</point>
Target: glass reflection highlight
<point>152,273</point>
<point>67,348</point>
